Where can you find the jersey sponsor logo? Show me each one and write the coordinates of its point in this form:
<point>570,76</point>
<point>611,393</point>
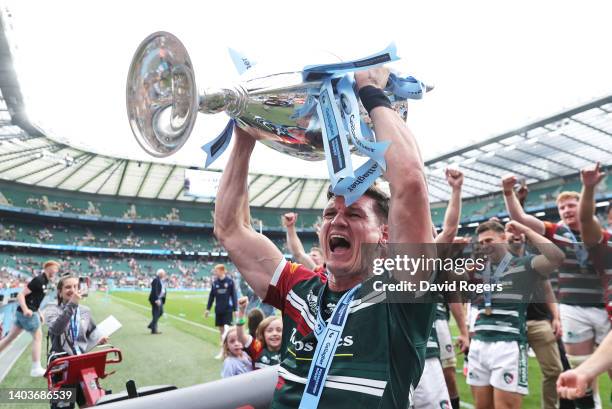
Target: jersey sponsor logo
<point>508,377</point>
<point>298,345</point>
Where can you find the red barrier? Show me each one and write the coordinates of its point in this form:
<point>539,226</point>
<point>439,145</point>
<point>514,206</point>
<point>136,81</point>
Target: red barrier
<point>85,369</point>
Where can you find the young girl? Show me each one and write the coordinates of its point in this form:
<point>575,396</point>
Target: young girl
<point>71,326</point>
<point>264,349</point>
<point>236,361</point>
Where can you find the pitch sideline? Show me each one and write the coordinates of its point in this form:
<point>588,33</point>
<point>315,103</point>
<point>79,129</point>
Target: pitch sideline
<point>216,331</point>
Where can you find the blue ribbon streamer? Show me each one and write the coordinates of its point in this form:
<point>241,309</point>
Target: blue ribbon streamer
<point>353,187</point>
<point>217,146</point>
<point>241,62</point>
<point>406,87</point>
<point>335,141</point>
<point>385,56</point>
<point>352,121</point>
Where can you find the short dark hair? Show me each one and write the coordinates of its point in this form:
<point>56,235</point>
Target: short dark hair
<point>381,200</point>
<point>490,225</point>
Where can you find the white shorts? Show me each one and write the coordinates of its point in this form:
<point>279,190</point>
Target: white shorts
<point>501,364</point>
<point>431,392</point>
<point>583,323</point>
<point>445,342</point>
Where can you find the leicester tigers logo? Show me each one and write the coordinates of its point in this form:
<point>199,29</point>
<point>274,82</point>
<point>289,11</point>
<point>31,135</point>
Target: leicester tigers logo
<point>508,377</point>
<point>312,302</point>
<point>444,404</point>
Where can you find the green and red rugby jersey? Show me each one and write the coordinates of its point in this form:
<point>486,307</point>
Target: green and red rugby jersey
<point>261,357</point>
<point>381,352</point>
<point>577,285</point>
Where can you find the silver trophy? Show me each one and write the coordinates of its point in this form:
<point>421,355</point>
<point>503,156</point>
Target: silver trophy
<point>163,102</point>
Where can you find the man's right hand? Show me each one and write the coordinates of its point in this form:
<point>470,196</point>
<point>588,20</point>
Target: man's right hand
<point>572,384</point>
<point>508,183</point>
<point>591,176</point>
<point>289,219</point>
<point>206,313</point>
<point>376,77</point>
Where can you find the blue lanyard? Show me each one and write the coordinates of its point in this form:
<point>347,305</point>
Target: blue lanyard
<point>488,279</point>
<point>74,330</point>
<point>581,254</point>
<point>327,342</point>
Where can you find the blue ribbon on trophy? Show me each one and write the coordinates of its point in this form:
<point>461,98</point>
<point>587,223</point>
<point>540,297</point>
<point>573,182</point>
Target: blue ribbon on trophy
<point>335,140</point>
<point>217,146</point>
<point>387,55</point>
<point>352,121</point>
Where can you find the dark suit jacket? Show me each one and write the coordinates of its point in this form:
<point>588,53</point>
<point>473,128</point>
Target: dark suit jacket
<point>156,289</point>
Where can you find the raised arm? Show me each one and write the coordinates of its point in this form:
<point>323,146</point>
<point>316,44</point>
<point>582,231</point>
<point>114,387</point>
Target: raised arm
<point>244,337</point>
<point>590,230</point>
<point>551,257</point>
<point>454,177</point>
<point>294,243</point>
<point>515,210</point>
<point>255,256</point>
<point>409,216</point>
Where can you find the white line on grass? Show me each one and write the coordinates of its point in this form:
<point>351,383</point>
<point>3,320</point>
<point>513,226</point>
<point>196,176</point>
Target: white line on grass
<point>466,405</point>
<point>206,327</point>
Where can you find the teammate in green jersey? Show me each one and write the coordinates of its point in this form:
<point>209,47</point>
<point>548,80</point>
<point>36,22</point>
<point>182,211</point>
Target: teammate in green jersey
<point>497,368</point>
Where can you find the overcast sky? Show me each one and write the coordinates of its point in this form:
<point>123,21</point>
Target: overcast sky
<point>495,67</point>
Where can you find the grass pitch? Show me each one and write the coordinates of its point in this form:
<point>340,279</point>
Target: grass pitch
<point>183,354</point>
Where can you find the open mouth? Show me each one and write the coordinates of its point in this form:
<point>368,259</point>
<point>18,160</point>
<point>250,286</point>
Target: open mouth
<point>338,243</point>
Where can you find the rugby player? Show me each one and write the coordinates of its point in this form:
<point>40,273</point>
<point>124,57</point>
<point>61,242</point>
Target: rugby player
<point>380,353</point>
<point>580,291</point>
<point>497,361</point>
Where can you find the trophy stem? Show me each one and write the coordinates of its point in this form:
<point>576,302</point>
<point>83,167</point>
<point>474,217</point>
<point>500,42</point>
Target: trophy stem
<point>215,100</point>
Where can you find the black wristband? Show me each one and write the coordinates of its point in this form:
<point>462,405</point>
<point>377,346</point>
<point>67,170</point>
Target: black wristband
<point>372,97</point>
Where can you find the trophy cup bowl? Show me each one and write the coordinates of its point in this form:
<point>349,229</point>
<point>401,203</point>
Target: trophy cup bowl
<point>163,103</point>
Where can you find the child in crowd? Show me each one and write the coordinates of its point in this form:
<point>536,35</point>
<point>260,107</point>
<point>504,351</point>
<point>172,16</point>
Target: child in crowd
<point>264,348</point>
<point>236,361</point>
<point>254,318</point>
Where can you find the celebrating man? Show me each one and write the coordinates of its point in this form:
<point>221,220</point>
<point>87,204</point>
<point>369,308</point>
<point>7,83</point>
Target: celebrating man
<point>371,353</point>
<point>581,294</point>
<point>497,368</point>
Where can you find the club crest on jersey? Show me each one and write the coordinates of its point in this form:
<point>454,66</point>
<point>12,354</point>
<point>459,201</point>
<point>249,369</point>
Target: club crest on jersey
<point>311,299</point>
<point>508,378</point>
<point>448,347</point>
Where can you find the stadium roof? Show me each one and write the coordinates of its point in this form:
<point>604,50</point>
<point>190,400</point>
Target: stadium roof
<point>557,146</point>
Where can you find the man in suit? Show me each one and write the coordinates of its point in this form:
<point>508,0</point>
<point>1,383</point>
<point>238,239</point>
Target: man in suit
<point>157,298</point>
